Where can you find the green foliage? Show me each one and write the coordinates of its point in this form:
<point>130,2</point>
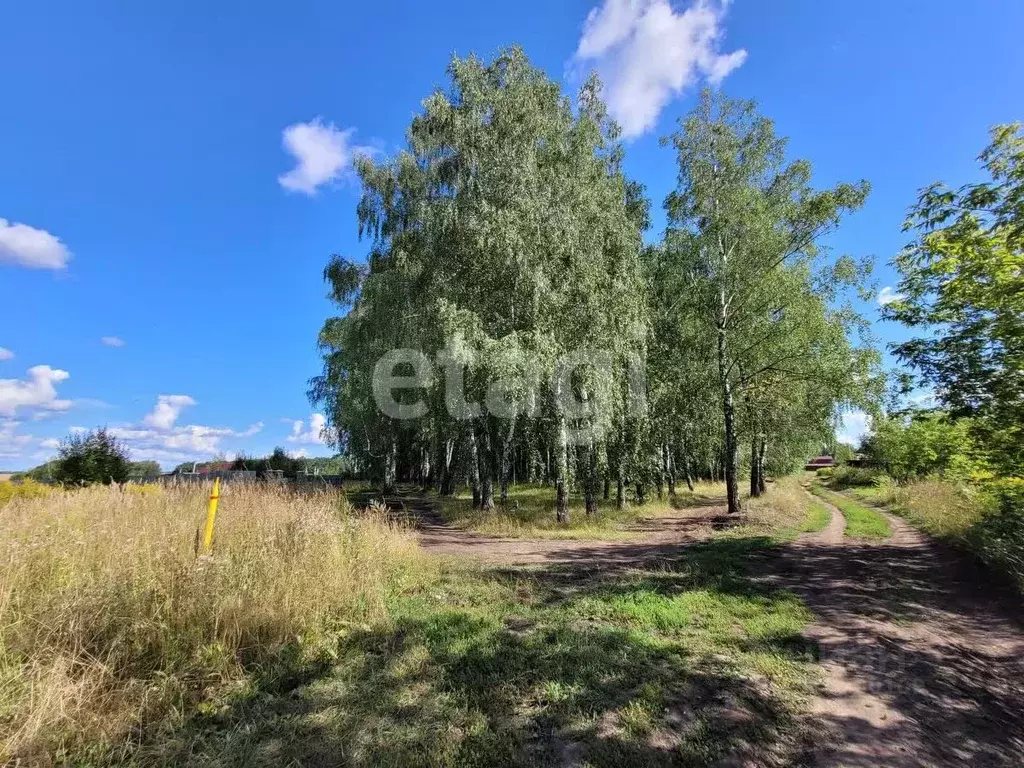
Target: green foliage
<point>141,470</point>
<point>91,457</point>
<point>506,237</point>
<point>962,284</point>
<point>842,453</point>
<point>849,477</point>
<point>749,292</point>
<point>44,473</point>
<point>503,237</point>
<point>924,444</point>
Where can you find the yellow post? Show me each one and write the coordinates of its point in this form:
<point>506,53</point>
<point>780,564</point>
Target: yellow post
<point>211,515</point>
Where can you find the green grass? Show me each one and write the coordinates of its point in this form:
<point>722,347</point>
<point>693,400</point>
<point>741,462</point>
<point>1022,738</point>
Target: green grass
<point>818,517</point>
<point>693,663</point>
<point>870,494</point>
<point>861,521</point>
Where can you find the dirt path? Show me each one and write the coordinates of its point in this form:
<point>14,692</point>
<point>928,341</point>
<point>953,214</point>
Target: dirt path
<point>658,538</point>
<point>922,657</point>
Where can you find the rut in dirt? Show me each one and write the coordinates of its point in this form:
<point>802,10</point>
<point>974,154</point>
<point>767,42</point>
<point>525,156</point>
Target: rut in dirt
<point>922,650</point>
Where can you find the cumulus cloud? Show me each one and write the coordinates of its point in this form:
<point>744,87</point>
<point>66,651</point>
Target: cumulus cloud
<point>6,354</point>
<point>50,443</point>
<point>313,435</point>
<point>853,427</point>
<point>167,410</point>
<point>112,341</point>
<point>27,246</point>
<point>38,392</point>
<point>159,438</point>
<point>888,295</point>
<point>323,154</point>
<point>648,53</point>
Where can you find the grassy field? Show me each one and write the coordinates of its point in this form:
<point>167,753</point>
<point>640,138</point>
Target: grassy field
<point>861,521</point>
<point>110,627</point>
<point>319,636</point>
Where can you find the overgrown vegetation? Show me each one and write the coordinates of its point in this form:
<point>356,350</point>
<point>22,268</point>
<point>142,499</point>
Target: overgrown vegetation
<point>962,284</point>
<point>688,664</point>
<point>109,624</point>
<point>961,467</point>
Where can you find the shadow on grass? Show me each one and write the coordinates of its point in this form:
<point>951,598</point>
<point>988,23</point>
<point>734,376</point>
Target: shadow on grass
<point>689,656</point>
<point>690,665</point>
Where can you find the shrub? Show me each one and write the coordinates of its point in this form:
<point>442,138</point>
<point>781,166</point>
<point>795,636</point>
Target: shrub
<point>93,457</point>
<point>850,477</point>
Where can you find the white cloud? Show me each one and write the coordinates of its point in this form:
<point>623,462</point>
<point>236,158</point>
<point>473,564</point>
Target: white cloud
<point>647,53</point>
<point>252,430</point>
<point>924,400</point>
<point>11,443</point>
<point>852,428</point>
<point>6,354</point>
<point>158,437</point>
<point>38,391</point>
<point>167,410</point>
<point>312,436</point>
<point>323,154</point>
<point>30,247</point>
<point>112,341</point>
<point>50,443</point>
<point>888,295</point>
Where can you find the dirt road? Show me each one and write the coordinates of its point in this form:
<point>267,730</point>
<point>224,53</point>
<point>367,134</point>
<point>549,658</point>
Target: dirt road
<point>922,654</point>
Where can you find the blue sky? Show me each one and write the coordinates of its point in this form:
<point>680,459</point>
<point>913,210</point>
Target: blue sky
<point>173,179</point>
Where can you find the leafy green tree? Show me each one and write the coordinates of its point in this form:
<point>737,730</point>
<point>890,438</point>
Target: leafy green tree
<point>505,237</point>
<point>747,224</point>
<point>962,285</point>
<point>141,470</point>
<point>91,457</point>
<point>924,444</point>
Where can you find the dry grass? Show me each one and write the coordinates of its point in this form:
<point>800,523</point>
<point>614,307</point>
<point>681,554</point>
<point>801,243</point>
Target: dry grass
<point>938,507</point>
<point>110,628</point>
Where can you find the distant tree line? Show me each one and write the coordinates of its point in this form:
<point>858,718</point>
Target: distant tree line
<point>278,460</point>
<point>87,458</point>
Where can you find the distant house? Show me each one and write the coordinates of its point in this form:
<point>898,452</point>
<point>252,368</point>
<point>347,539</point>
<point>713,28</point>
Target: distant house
<point>819,462</point>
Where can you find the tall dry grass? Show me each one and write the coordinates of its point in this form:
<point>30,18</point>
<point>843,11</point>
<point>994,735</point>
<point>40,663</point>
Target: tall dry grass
<point>937,506</point>
<point>988,521</point>
<point>111,628</point>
